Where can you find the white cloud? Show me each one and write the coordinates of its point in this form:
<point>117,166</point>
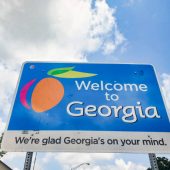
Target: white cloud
<point>72,158</point>
<point>119,40</point>
<point>2,126</point>
<point>15,160</point>
<point>120,164</point>
<point>55,30</point>
<point>109,47</point>
<point>7,85</point>
<point>6,7</point>
<point>166,89</point>
<point>98,161</point>
<point>9,156</point>
<point>77,158</point>
<point>51,30</point>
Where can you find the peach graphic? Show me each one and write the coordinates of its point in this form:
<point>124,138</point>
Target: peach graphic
<point>47,93</point>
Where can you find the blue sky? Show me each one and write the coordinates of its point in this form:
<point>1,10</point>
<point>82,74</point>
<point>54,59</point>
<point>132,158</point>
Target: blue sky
<point>145,25</point>
<point>111,31</point>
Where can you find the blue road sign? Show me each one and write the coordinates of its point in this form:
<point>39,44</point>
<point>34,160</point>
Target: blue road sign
<point>81,97</point>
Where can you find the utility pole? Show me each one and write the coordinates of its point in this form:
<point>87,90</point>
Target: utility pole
<point>153,161</point>
<point>28,161</point>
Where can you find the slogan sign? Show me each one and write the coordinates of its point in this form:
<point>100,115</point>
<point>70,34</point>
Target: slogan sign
<point>84,107</point>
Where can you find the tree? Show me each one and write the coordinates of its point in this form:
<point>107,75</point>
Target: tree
<point>2,153</point>
<point>163,163</point>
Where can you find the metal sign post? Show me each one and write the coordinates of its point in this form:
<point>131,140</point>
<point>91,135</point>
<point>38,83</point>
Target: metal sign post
<point>28,160</point>
<point>153,161</point>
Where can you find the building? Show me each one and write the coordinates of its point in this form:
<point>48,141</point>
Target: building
<point>3,166</point>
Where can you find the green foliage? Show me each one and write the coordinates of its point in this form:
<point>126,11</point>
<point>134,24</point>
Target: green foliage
<point>2,153</point>
<point>163,163</point>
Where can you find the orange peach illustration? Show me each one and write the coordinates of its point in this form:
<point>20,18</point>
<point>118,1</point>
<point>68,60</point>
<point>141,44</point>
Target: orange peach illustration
<point>47,94</point>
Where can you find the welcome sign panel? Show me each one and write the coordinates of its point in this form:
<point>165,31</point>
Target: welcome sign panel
<point>88,108</point>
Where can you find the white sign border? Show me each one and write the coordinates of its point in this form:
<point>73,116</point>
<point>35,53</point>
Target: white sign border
<point>141,147</point>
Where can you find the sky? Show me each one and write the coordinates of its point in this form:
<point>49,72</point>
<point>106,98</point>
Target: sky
<point>105,31</point>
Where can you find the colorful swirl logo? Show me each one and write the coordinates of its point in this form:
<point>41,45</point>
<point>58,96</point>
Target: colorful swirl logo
<point>49,91</point>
